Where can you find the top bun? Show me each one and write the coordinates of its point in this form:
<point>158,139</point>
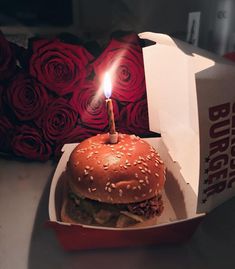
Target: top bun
<point>129,171</point>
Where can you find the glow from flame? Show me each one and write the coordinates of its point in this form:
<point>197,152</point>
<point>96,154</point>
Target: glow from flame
<point>107,86</point>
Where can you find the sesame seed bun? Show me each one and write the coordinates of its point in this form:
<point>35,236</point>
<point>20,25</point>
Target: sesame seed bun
<point>129,171</point>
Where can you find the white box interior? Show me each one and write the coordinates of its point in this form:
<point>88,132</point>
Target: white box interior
<point>179,199</point>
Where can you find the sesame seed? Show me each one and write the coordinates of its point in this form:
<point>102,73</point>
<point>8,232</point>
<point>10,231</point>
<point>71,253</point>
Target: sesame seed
<point>96,152</point>
<point>145,164</point>
<point>125,166</point>
<point>158,184</point>
<point>136,175</point>
<point>156,174</point>
<point>87,167</point>
<point>128,186</point>
<point>89,189</point>
<point>141,181</point>
<point>146,169</point>
<point>106,167</point>
<point>91,177</point>
<point>94,189</point>
<point>79,178</point>
<point>128,164</point>
<point>120,192</point>
<point>140,167</point>
<point>161,161</point>
<point>149,171</point>
<point>113,185</point>
<point>150,190</point>
<point>156,164</point>
<point>118,156</point>
<point>108,183</point>
<point>99,162</point>
<point>135,163</point>
<point>138,161</point>
<point>109,189</point>
<point>86,172</point>
<point>139,187</point>
<point>146,180</point>
<point>134,188</point>
<point>143,171</point>
<point>143,194</point>
<point>127,161</point>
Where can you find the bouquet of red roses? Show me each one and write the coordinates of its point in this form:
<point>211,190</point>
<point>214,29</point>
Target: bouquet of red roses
<point>48,93</point>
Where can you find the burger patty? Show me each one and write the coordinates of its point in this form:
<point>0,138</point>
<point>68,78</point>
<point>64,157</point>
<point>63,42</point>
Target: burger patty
<point>148,208</point>
<point>98,212</point>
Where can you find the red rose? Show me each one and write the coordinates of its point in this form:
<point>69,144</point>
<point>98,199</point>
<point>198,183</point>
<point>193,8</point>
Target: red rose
<point>7,59</point>
<point>29,143</point>
<point>6,129</point>
<point>134,118</point>
<point>59,66</point>
<point>78,134</point>
<point>26,97</point>
<point>124,61</point>
<point>58,120</point>
<point>91,106</point>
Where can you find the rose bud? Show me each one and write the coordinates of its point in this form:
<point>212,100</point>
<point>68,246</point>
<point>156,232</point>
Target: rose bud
<point>91,107</point>
<point>58,120</point>
<point>59,66</point>
<point>29,143</point>
<point>26,97</point>
<point>124,60</point>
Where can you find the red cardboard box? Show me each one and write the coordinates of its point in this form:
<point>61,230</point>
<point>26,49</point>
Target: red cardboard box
<point>191,103</point>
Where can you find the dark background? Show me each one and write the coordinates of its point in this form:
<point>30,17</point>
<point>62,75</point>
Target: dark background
<point>97,19</point>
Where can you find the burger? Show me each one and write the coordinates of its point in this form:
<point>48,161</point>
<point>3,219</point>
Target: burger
<point>114,185</point>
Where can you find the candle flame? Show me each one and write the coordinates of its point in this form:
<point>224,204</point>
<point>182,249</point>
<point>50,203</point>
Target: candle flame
<point>107,85</point>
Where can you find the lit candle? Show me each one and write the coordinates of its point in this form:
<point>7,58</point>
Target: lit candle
<point>113,136</point>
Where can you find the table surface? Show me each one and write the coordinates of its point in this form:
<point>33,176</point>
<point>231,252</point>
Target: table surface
<point>26,243</point>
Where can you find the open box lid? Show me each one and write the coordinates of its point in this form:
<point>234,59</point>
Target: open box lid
<point>190,100</point>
